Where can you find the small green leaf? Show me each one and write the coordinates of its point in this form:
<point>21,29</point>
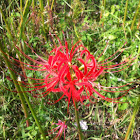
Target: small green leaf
<point>123,106</point>
<point>84,38</point>
<point>30,74</point>
<point>17,14</point>
<point>111,37</point>
<point>106,14</point>
<point>34,133</point>
<point>89,38</point>
<point>112,9</point>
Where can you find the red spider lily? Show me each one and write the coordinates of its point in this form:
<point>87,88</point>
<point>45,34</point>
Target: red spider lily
<point>61,127</point>
<point>73,72</point>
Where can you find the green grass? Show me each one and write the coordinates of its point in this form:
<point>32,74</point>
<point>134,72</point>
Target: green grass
<point>31,21</point>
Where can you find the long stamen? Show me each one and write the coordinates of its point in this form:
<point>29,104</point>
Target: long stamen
<point>114,54</point>
<point>28,67</point>
<point>119,63</point>
<point>8,78</point>
<point>72,54</point>
<point>19,61</point>
<point>54,102</point>
<point>116,90</point>
<point>100,64</point>
<point>106,98</point>
<point>24,76</point>
<point>53,40</point>
<point>120,69</point>
<point>36,53</point>
<point>116,64</point>
<point>74,46</point>
<point>24,91</point>
<point>28,56</point>
<point>102,52</point>
<point>41,95</point>
<point>112,87</point>
<point>124,64</point>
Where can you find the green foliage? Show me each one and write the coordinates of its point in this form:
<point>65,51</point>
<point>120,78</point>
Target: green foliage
<point>80,20</point>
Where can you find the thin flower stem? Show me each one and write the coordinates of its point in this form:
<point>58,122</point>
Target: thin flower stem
<point>33,112</point>
<point>78,123</point>
<point>76,31</point>
<point>7,26</point>
<point>126,6</point>
<point>23,17</point>
<point>11,37</point>
<point>13,76</point>
<point>33,4</point>
<point>22,95</point>
<point>133,118</point>
<point>42,17</point>
<point>102,10</point>
<point>21,5</point>
<point>138,24</point>
<point>136,65</point>
<point>52,4</point>
<point>77,113</point>
<point>50,18</point>
<point>137,11</point>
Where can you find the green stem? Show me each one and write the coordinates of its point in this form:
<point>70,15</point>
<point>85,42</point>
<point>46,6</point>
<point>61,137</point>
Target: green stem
<point>76,111</point>
<point>13,76</point>
<point>23,17</point>
<point>136,65</point>
<point>76,31</point>
<point>133,118</point>
<point>21,5</point>
<point>33,112</point>
<point>33,17</point>
<point>7,26</point>
<point>22,94</point>
<point>102,10</point>
<point>126,6</point>
<point>77,121</point>
<point>33,4</point>
<point>42,16</point>
<point>52,4</point>
<point>137,11</point>
<point>104,4</point>
<point>11,37</point>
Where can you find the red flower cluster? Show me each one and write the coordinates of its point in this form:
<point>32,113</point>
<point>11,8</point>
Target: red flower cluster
<point>73,72</point>
<point>61,126</point>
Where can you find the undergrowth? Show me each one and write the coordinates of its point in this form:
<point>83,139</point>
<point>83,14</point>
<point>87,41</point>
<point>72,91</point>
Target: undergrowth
<point>94,23</point>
